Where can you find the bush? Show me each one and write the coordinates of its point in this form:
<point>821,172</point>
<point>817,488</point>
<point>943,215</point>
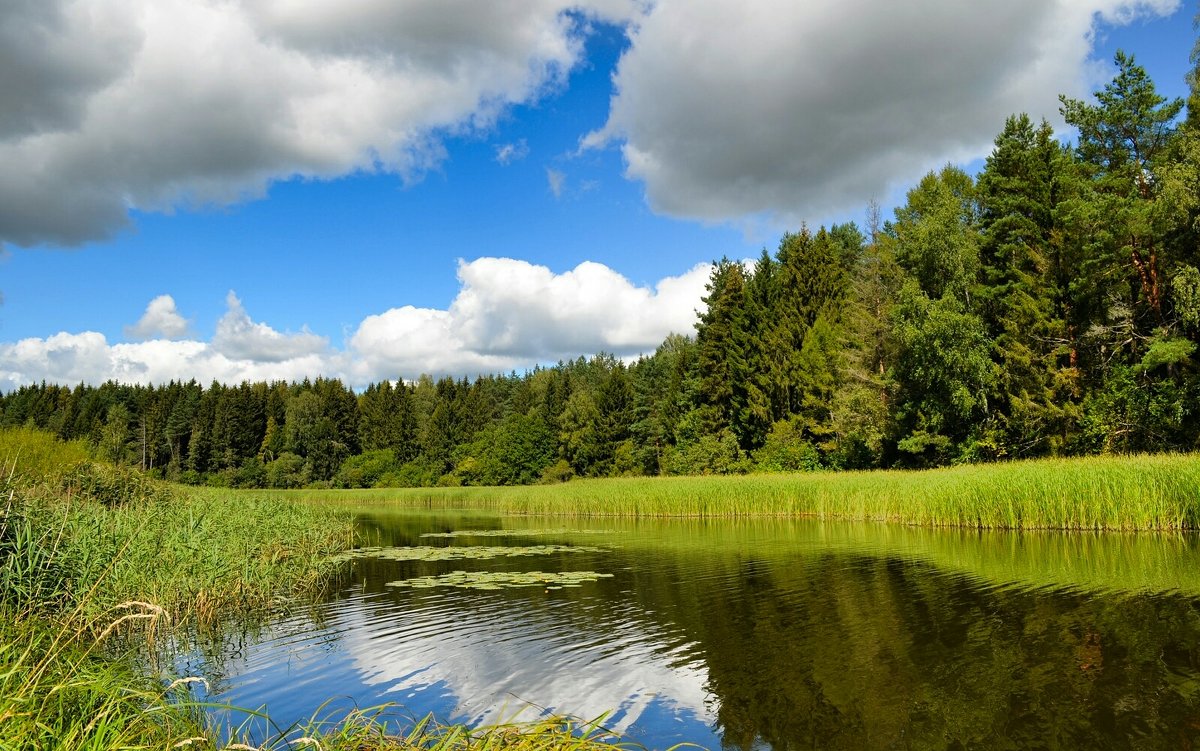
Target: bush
<point>787,450</point>
<point>287,471</point>
<point>558,472</point>
<point>111,485</point>
<point>414,474</point>
<point>252,474</point>
<point>710,455</point>
<point>366,469</point>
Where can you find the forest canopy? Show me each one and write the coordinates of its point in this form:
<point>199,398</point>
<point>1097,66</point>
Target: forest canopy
<point>1048,306</point>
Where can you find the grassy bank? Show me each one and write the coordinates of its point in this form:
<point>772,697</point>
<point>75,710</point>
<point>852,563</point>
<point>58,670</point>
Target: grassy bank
<point>79,538</point>
<point>1158,492</point>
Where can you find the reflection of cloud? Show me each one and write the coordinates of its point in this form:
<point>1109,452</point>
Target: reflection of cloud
<point>496,661</point>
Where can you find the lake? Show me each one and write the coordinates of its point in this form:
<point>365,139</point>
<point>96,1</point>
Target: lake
<point>744,634</point>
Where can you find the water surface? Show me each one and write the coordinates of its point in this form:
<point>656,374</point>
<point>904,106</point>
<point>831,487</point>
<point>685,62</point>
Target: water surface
<point>755,634</point>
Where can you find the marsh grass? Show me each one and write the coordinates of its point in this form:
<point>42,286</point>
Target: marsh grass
<point>375,729</point>
<point>62,689</point>
<point>95,557</point>
<point>1155,492</point>
<point>87,537</point>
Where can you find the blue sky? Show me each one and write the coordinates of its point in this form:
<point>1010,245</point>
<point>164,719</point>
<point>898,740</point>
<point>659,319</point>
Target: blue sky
<point>396,188</point>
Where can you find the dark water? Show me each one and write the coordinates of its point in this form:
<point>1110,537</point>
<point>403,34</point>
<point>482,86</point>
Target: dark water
<point>758,635</point>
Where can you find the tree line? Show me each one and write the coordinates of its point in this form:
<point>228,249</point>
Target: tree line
<point>1049,306</point>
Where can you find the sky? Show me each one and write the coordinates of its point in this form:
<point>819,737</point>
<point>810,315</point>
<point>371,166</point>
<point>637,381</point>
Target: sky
<point>376,189</point>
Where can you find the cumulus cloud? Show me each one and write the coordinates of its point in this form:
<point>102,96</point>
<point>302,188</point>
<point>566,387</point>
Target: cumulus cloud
<point>114,105</point>
<point>241,350</point>
<point>240,338</point>
<point>88,357</point>
<point>722,109</point>
<point>508,314</point>
<point>803,109</point>
<point>160,321</point>
<point>511,313</point>
<point>515,308</point>
<point>53,57</point>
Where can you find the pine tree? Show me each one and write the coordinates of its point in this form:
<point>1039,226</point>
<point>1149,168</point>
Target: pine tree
<point>1020,300</point>
<point>812,284</point>
<point>1122,139</point>
<point>721,342</point>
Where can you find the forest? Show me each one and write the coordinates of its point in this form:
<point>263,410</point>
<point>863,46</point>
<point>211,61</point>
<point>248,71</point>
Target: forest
<point>1049,306</point>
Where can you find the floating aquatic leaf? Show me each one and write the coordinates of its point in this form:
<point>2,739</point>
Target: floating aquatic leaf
<point>463,553</point>
<point>515,532</point>
<point>500,579</point>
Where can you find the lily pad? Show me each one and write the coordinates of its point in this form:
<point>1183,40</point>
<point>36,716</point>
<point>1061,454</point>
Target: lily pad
<point>515,532</point>
<point>480,552</point>
<point>491,580</point>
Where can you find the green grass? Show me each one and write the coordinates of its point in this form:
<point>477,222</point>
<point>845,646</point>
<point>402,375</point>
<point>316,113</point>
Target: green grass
<point>85,538</point>
<point>92,555</point>
<point>58,691</point>
<point>1157,492</point>
<point>369,730</point>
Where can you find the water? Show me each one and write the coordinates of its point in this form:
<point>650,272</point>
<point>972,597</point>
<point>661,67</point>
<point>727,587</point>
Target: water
<point>767,634</point>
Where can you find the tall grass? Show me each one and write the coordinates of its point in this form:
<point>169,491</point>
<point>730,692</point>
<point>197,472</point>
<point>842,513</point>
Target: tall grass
<point>372,729</point>
<point>80,537</point>
<point>58,691</point>
<point>1156,492</point>
<point>90,552</point>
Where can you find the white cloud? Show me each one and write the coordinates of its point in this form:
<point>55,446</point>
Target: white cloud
<point>803,109</point>
<point>241,350</point>
<point>791,109</point>
<point>512,307</point>
<point>508,153</point>
<point>508,314</point>
<point>240,338</point>
<point>160,321</point>
<point>114,105</point>
<point>556,180</point>
<point>89,358</point>
<point>513,314</point>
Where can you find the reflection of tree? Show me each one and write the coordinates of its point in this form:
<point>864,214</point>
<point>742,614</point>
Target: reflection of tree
<point>811,649</point>
<point>841,652</point>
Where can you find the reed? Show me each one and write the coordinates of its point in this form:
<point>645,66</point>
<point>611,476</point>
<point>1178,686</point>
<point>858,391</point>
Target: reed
<point>61,691</point>
<point>1127,493</point>
<point>388,728</point>
<point>91,554</point>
